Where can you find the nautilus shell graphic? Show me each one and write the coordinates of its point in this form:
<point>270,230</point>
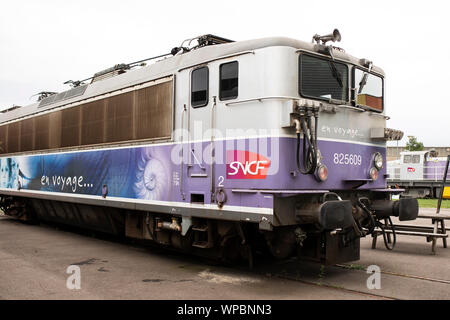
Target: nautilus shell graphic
<point>151,177</point>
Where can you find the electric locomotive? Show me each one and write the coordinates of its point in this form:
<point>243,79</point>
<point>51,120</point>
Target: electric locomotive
<point>219,148</point>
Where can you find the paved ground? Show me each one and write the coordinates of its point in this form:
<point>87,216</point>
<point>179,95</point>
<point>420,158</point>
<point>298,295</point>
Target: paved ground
<point>34,259</point>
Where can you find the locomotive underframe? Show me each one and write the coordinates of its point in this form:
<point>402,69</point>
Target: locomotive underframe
<point>295,228</point>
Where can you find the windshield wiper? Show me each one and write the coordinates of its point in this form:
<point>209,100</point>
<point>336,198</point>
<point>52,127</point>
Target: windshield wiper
<point>336,74</point>
<point>363,81</point>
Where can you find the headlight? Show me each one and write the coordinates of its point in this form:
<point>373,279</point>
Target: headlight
<point>378,161</point>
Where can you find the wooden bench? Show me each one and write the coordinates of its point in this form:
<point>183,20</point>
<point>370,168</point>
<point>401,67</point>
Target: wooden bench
<point>431,236</point>
<point>432,233</point>
<point>437,219</point>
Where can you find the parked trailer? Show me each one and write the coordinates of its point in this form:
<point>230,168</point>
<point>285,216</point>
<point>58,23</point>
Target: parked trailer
<point>420,173</point>
<point>220,148</point>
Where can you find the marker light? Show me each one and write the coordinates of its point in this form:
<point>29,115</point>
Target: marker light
<point>322,172</point>
<point>378,161</point>
<point>373,173</point>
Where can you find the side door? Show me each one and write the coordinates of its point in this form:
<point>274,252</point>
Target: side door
<point>197,182</point>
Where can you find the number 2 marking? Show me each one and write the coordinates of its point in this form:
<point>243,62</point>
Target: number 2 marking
<point>221,179</point>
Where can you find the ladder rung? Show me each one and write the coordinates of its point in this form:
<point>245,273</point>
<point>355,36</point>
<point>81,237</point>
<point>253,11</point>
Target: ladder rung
<point>201,244</point>
<point>200,228</point>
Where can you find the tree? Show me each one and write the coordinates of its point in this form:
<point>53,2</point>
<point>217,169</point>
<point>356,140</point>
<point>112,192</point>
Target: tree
<point>413,144</point>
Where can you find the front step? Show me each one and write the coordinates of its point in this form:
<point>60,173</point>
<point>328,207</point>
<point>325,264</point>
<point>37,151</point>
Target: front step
<point>203,237</point>
<point>200,228</point>
<point>201,244</point>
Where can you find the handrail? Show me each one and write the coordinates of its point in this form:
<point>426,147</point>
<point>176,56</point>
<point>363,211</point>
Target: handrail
<point>380,115</point>
<point>218,58</point>
<point>260,99</point>
<point>325,109</point>
<point>350,107</point>
<point>363,110</point>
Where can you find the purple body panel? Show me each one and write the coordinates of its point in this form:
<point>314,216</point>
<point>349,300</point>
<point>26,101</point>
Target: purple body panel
<point>157,172</point>
<point>283,173</point>
<point>434,170</point>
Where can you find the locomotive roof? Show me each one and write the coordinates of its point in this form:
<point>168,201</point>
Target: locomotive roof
<point>170,65</point>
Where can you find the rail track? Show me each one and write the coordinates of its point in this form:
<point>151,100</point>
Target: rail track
<point>334,287</point>
<point>346,266</point>
<point>333,278</point>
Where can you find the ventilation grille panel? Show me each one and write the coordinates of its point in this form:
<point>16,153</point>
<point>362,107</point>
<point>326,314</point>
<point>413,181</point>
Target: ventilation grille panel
<point>72,93</point>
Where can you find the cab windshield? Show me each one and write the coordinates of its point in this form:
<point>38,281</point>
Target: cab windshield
<point>322,78</point>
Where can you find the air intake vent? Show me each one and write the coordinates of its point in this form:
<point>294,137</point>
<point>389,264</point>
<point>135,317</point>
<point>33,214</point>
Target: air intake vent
<point>110,72</point>
<point>75,92</point>
<point>10,109</point>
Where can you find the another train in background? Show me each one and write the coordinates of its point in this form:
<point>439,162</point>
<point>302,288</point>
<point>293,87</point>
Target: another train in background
<point>420,173</point>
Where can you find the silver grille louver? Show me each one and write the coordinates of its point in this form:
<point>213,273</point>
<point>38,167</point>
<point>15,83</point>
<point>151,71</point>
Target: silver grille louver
<point>65,95</point>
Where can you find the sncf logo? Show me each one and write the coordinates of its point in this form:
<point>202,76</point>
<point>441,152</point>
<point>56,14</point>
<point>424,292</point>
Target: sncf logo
<point>246,165</point>
<point>411,169</point>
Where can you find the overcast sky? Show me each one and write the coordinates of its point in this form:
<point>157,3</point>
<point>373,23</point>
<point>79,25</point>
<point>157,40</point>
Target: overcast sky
<point>44,43</point>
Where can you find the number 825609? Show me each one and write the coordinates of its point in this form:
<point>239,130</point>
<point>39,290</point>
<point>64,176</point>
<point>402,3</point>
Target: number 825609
<point>347,159</point>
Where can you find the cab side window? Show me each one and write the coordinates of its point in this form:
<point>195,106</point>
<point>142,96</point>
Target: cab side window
<point>199,87</point>
<point>407,159</point>
<point>229,80</point>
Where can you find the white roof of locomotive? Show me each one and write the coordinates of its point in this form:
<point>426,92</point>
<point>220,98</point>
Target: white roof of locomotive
<point>171,65</point>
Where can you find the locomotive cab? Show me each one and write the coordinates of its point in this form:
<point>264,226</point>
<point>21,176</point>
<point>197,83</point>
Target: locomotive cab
<point>329,113</point>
